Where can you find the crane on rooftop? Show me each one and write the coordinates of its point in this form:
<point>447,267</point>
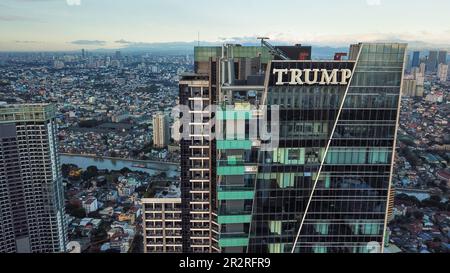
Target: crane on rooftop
<point>273,50</point>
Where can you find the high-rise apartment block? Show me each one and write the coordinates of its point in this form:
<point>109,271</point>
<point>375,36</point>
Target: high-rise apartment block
<point>416,59</point>
<point>409,87</point>
<point>442,57</point>
<point>161,208</point>
<point>316,177</point>
<point>443,72</point>
<point>32,217</point>
<point>432,61</point>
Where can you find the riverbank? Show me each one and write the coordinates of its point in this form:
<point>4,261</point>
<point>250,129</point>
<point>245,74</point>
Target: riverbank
<point>117,164</point>
<point>119,159</point>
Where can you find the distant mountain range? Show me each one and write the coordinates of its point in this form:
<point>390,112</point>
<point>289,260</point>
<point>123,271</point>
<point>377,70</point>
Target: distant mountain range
<point>188,48</point>
<point>318,51</point>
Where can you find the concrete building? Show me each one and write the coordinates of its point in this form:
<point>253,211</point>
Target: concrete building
<point>162,219</point>
<point>415,59</point>
<point>432,61</point>
<point>442,57</point>
<point>161,131</point>
<point>409,87</point>
<point>32,217</point>
<point>90,204</point>
<point>443,72</point>
<point>423,67</point>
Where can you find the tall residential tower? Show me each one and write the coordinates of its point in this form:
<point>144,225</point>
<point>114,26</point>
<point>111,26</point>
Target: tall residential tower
<point>32,218</point>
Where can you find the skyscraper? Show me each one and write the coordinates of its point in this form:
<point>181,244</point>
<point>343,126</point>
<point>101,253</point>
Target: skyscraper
<point>118,55</point>
<point>416,59</point>
<point>161,207</point>
<point>31,191</point>
<point>432,61</point>
<point>321,181</point>
<point>442,57</point>
<point>443,72</point>
<point>199,192</point>
<point>408,63</point>
<point>161,131</point>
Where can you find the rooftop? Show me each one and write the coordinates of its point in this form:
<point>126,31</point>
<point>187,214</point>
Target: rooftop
<point>163,189</point>
<point>26,112</point>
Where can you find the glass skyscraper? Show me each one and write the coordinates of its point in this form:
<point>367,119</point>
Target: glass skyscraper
<point>416,59</point>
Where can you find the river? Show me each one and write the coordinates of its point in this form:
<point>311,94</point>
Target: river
<point>151,168</point>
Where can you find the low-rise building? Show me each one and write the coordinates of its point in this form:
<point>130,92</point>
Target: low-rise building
<point>90,204</point>
<point>162,219</point>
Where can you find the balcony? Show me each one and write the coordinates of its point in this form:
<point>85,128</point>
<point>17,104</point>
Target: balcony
<point>230,170</point>
<point>233,239</point>
<point>247,187</point>
<point>235,219</point>
<point>234,144</point>
<point>236,195</point>
<point>234,115</point>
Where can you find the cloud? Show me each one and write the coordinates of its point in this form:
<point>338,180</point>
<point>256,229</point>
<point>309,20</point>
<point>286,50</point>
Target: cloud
<point>134,44</point>
<point>373,2</point>
<point>26,42</point>
<point>73,2</point>
<point>427,38</point>
<point>89,42</point>
<point>17,18</point>
<point>68,2</point>
<point>123,41</point>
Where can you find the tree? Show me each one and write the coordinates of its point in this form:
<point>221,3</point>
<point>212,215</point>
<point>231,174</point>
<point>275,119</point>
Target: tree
<point>65,170</point>
<point>404,198</point>
<point>125,170</point>
<point>94,214</point>
<point>432,202</point>
<point>79,213</point>
<point>99,235</point>
<point>91,172</point>
<point>140,189</point>
<point>418,215</point>
<point>88,123</point>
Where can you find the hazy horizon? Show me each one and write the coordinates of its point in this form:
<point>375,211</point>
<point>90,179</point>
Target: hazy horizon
<point>68,25</point>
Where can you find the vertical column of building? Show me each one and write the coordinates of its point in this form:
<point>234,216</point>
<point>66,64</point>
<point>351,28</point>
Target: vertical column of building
<point>236,170</point>
<point>236,155</point>
<point>196,164</point>
<point>9,175</point>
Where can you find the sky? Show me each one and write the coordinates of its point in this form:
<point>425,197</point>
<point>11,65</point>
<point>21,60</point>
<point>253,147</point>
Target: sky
<point>47,25</point>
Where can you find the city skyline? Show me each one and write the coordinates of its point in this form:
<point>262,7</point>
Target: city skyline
<point>62,25</point>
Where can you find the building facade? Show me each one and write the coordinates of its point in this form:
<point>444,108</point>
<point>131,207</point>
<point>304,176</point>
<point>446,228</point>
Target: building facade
<point>432,61</point>
<point>198,91</point>
<point>31,191</point>
<point>161,130</point>
<point>415,59</point>
<point>326,187</point>
<point>162,225</point>
<point>442,57</point>
<point>443,72</point>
